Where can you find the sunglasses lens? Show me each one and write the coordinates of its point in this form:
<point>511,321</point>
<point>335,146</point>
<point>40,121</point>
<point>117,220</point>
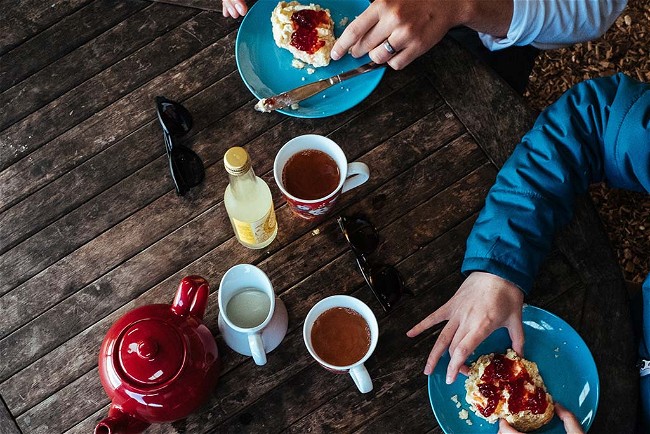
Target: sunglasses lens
<point>361,234</point>
<point>187,168</point>
<point>174,117</point>
<point>387,282</point>
<point>384,281</point>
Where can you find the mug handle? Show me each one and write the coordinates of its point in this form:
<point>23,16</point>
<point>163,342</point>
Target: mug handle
<point>257,348</point>
<point>358,173</point>
<point>361,378</point>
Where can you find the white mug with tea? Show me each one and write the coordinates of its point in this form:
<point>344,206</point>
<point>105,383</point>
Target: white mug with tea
<point>252,320</point>
<point>312,171</point>
<point>341,332</point>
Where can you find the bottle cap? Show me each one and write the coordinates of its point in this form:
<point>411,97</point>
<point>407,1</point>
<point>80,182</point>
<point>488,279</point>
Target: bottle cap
<point>236,161</point>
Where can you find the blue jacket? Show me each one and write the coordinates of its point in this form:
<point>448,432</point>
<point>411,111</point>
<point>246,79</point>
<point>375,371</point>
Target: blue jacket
<point>597,131</point>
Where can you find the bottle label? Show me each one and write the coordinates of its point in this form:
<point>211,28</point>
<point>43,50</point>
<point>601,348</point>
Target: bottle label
<point>258,231</point>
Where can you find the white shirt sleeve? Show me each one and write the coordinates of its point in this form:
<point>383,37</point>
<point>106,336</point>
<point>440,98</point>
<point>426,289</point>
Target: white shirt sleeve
<point>548,24</point>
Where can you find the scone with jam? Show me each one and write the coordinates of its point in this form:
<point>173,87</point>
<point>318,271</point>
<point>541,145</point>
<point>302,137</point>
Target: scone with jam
<point>306,31</point>
<point>505,386</point>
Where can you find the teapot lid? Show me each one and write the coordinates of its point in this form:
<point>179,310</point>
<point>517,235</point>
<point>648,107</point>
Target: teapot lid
<point>150,352</point>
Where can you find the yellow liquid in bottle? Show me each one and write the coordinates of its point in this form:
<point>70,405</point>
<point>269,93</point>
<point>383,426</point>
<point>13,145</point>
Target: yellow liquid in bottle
<point>250,209</point>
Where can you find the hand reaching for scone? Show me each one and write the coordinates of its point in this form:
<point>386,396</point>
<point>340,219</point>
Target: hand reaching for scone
<point>571,424</point>
<point>234,8</point>
<point>482,304</point>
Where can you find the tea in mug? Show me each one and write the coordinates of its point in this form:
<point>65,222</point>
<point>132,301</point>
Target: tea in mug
<point>248,308</point>
<point>340,336</point>
<point>310,174</point>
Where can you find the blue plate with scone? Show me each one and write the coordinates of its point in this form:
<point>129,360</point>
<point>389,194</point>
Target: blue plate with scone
<point>564,362</point>
<point>267,69</point>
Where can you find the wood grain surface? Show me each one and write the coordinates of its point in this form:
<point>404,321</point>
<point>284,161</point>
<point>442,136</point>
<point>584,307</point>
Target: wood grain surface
<point>91,227</point>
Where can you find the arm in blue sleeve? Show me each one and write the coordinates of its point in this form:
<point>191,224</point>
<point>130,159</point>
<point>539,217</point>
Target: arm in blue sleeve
<point>548,24</point>
<point>597,131</point>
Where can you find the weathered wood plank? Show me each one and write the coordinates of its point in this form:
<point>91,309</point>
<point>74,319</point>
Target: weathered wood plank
<point>344,412</point>
<point>555,272</point>
<point>206,5</point>
<point>64,236</point>
<point>63,37</point>
<point>394,381</point>
<point>347,412</point>
<point>24,262</point>
<point>104,88</point>
<point>59,420</point>
<point>170,206</point>
<point>24,20</point>
<point>320,285</point>
<point>276,409</point>
<point>7,422</point>
<point>102,181</point>
<point>106,49</point>
<point>429,167</point>
<point>402,416</point>
<point>461,78</point>
<point>430,130</point>
<point>615,351</point>
<point>330,280</point>
<point>125,116</point>
<point>231,401</point>
<point>71,272</point>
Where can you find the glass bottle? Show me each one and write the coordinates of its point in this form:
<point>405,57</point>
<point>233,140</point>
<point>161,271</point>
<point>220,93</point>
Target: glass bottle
<point>248,202</point>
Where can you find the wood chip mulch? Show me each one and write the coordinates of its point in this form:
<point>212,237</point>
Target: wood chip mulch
<point>624,48</point>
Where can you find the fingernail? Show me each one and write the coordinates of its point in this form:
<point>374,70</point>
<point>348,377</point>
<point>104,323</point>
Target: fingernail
<point>334,55</point>
<point>239,8</point>
<point>448,380</point>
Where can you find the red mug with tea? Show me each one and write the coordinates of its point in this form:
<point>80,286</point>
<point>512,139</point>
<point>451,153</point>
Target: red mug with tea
<point>312,171</point>
<point>341,332</point>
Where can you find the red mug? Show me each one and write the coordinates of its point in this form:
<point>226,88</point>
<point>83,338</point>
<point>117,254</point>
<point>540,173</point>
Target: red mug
<point>351,175</point>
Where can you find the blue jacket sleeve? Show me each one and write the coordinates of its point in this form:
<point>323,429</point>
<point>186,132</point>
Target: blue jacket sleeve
<point>597,131</point>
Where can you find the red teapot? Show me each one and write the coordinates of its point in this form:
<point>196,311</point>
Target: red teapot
<point>159,362</point>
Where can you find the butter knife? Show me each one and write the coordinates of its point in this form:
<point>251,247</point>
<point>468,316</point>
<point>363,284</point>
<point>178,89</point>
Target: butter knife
<point>286,99</point>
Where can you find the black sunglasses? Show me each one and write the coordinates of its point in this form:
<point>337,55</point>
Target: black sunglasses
<point>185,166</point>
<point>384,281</point>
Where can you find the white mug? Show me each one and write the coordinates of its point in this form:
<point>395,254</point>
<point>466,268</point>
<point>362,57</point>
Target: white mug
<point>252,320</point>
<point>351,175</point>
<point>357,370</point>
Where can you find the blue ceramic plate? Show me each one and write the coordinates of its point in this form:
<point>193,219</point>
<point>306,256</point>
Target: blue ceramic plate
<point>565,362</point>
<point>266,69</point>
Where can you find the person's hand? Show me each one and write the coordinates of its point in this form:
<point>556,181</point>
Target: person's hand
<point>412,27</point>
<point>234,8</point>
<point>482,304</point>
<point>571,424</point>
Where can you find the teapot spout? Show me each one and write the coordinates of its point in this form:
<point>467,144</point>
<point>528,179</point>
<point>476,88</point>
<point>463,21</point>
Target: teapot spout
<point>119,422</point>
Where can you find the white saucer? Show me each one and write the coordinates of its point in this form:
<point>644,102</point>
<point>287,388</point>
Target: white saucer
<point>272,334</point>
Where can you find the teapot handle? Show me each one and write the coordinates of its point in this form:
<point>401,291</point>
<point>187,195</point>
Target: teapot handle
<point>191,297</point>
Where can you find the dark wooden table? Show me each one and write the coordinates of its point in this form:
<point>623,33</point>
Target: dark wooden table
<point>90,226</point>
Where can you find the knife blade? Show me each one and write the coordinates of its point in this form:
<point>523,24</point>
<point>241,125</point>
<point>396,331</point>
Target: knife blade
<point>286,99</point>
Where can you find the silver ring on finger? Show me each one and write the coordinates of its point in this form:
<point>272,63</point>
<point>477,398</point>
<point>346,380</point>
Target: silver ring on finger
<point>388,47</point>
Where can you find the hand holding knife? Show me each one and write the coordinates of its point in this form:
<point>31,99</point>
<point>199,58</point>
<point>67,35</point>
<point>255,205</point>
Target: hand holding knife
<point>286,99</point>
